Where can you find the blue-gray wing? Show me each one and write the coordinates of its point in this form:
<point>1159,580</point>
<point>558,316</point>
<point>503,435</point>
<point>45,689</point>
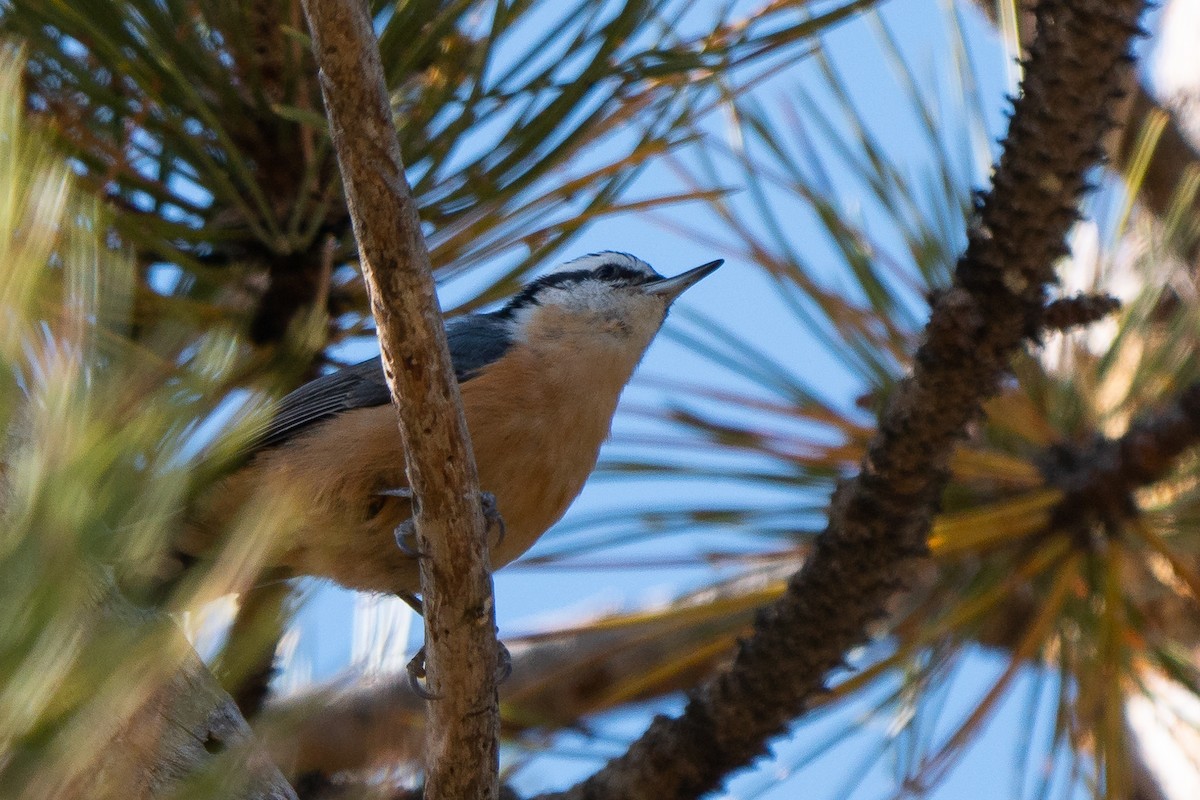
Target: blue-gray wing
<point>475,341</point>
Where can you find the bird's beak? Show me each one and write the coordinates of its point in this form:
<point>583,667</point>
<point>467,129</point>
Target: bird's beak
<point>671,288</point>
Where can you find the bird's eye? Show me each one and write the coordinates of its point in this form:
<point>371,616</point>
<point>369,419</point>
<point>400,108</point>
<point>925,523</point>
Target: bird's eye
<point>607,272</point>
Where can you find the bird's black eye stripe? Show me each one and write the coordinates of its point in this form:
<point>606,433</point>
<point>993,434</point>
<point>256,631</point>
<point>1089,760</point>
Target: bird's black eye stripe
<point>609,273</point>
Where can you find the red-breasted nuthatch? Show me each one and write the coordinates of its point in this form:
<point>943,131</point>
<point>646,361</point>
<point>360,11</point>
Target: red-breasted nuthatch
<point>540,379</point>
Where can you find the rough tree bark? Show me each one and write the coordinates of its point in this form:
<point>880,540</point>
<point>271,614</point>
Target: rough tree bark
<point>1174,161</point>
<point>460,630</point>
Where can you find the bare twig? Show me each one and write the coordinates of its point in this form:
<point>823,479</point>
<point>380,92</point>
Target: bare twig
<point>882,517</point>
<point>462,746</point>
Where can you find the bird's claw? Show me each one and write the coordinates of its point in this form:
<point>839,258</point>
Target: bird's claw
<point>503,663</point>
<point>491,516</point>
<point>406,539</point>
<point>417,673</point>
<point>406,532</point>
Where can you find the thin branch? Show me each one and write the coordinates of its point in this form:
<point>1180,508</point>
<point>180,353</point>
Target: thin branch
<point>881,518</point>
<point>462,750</point>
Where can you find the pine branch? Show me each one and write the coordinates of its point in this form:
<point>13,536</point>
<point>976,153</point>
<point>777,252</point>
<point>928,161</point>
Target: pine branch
<point>880,519</point>
<point>1099,478</point>
<point>560,677</point>
<point>1173,160</point>
<point>1078,311</point>
<point>460,629</point>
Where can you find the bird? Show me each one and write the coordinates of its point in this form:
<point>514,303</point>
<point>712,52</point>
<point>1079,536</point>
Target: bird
<point>540,379</point>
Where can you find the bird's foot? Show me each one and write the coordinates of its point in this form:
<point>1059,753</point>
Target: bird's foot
<point>406,532</point>
<point>406,539</point>
<point>417,673</point>
<point>491,516</point>
<point>503,663</point>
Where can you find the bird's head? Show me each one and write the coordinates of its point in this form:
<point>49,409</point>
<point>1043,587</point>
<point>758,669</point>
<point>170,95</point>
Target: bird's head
<point>606,301</point>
